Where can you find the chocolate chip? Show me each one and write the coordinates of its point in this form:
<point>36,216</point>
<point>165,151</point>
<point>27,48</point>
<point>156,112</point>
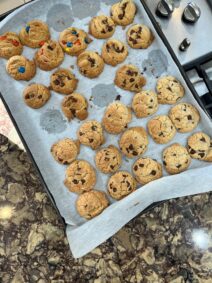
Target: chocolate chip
<point>56,82</point>
<point>110,28</point>
<point>151,100</point>
<point>150,107</point>
<point>161,134</point>
<point>92,61</point>
<point>135,167</point>
<point>112,167</point>
<point>136,85</point>
<point>83,181</point>
<point>134,41</point>
<point>124,175</point>
<point>201,154</point>
<point>192,151</point>
<point>178,166</point>
<point>114,189</point>
<point>73,99</point>
<point>203,139</point>
<point>108,47</point>
<point>50,48</point>
<point>75,181</point>
<point>189,117</point>
<point>39,96</point>
<point>169,88</point>
<point>118,97</point>
<point>164,162</point>
<point>128,183</point>
<point>135,153</point>
<point>94,128</point>
<point>91,140</point>
<point>132,31</point>
<point>107,159</point>
<point>141,165</point>
<point>153,172</point>
<point>120,16</point>
<point>132,80</point>
<point>81,134</point>
<point>131,147</point>
<point>73,111</point>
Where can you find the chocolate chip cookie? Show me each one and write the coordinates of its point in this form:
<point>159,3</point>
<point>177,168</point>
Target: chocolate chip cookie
<point>108,159</point>
<point>128,77</point>
<point>91,134</point>
<point>49,56</point>
<point>147,170</point>
<point>133,142</point>
<point>21,68</point>
<point>185,117</point>
<point>65,151</point>
<point>91,204</point>
<point>75,105</point>
<point>121,184</point>
<point>36,95</point>
<point>145,103</point>
<point>176,158</point>
<point>116,117</point>
<point>80,177</point>
<point>139,36</point>
<point>123,12</point>
<point>169,90</point>
<point>10,45</point>
<point>161,129</point>
<point>74,41</point>
<point>114,52</point>
<point>198,145</point>
<point>63,81</point>
<point>34,34</point>
<point>101,27</point>
<point>90,64</point>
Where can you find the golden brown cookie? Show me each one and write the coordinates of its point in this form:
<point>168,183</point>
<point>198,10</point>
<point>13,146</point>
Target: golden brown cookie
<point>49,56</point>
<point>91,134</point>
<point>169,90</point>
<point>208,157</point>
<point>133,142</point>
<point>123,12</point>
<point>114,52</point>
<point>75,105</point>
<point>185,117</point>
<point>121,184</point>
<point>176,158</point>
<point>21,68</point>
<point>90,64</point>
<point>199,145</point>
<point>147,170</point>
<point>161,129</point>
<point>116,117</point>
<point>80,177</point>
<point>10,45</point>
<point>63,81</point>
<point>139,36</point>
<point>74,41</point>
<point>34,34</point>
<point>145,103</point>
<point>36,95</point>
<point>91,204</point>
<point>65,151</point>
<point>101,27</point>
<point>108,159</point>
<point>128,77</point>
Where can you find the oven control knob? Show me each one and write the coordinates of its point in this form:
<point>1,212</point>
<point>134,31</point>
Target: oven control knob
<point>191,12</point>
<point>184,44</point>
<point>165,8</point>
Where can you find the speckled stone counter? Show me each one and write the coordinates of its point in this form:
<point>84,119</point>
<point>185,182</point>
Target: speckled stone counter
<point>171,243</point>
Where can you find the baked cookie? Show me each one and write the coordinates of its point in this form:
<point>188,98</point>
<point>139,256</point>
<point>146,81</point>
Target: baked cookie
<point>139,36</point>
<point>176,158</point>
<point>90,64</point>
<point>161,129</point>
<point>75,105</point>
<point>108,159</point>
<point>169,90</point>
<point>133,142</point>
<point>90,133</point>
<point>116,117</point>
<point>114,52</point>
<point>63,81</point>
<point>185,117</point>
<point>74,40</point>
<point>208,157</point>
<point>102,27</point>
<point>145,103</point>
<point>121,184</point>
<point>21,68</point>
<point>80,177</point>
<point>10,45</point>
<point>123,12</point>
<point>65,151</point>
<point>92,203</point>
<point>36,95</point>
<point>128,77</point>
<point>146,170</point>
<point>49,56</point>
<point>199,145</point>
<point>34,34</point>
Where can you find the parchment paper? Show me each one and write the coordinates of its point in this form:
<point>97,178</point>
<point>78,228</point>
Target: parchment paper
<point>41,128</point>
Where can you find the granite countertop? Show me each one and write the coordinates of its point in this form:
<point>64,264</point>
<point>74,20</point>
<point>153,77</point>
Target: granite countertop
<point>171,243</point>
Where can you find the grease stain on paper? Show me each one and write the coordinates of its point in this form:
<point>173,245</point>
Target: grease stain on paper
<point>103,94</point>
<point>156,63</point>
<point>52,121</point>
